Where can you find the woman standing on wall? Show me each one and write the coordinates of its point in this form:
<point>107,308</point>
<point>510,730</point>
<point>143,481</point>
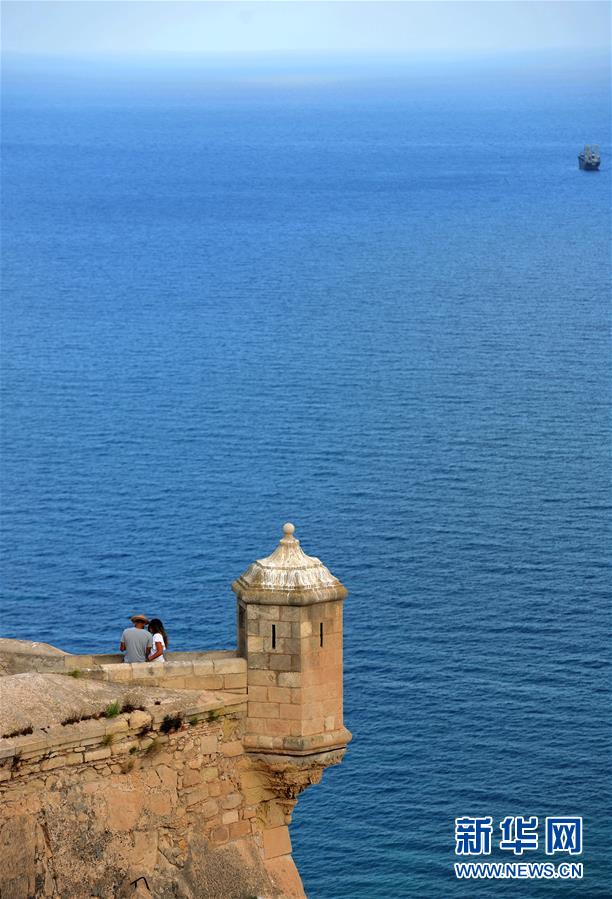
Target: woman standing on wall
<point>160,641</point>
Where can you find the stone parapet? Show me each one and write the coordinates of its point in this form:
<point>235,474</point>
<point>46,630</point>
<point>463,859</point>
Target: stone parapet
<point>215,670</point>
<point>21,656</point>
<point>227,673</point>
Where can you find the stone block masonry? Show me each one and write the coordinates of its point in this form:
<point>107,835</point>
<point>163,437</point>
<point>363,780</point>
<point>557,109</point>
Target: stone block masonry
<point>303,690</point>
<point>155,795</point>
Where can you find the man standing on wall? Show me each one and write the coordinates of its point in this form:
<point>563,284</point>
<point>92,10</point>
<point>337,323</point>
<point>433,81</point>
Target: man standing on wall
<point>135,641</point>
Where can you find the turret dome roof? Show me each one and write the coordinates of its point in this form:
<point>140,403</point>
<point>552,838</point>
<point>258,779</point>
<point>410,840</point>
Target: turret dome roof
<point>288,577</point>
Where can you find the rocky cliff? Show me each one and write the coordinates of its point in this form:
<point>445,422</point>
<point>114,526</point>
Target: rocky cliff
<point>116,781</point>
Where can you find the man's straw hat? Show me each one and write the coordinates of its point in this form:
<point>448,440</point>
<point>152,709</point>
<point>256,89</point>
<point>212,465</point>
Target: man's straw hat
<point>139,618</point>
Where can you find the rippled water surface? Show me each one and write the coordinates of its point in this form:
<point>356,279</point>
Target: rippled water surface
<point>383,316</point>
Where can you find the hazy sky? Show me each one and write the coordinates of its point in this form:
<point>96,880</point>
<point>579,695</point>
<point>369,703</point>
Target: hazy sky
<point>403,27</point>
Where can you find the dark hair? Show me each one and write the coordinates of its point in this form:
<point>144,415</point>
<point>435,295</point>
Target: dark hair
<point>156,627</point>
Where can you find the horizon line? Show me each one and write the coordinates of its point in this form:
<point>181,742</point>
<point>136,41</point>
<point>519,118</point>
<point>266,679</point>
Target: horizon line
<point>310,55</point>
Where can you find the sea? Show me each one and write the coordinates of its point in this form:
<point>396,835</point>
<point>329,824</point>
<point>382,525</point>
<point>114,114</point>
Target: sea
<point>370,300</point>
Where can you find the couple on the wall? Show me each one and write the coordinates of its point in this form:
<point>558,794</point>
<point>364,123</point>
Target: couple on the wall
<point>140,645</point>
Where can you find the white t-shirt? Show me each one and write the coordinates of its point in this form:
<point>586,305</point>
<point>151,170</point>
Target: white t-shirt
<point>157,638</point>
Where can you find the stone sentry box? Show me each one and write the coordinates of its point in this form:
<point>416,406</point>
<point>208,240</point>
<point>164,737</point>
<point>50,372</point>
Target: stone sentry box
<point>290,633</point>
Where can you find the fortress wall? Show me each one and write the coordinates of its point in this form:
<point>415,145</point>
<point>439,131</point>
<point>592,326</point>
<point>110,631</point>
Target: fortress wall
<point>119,808</point>
<point>177,780</point>
<point>227,673</point>
<point>214,670</point>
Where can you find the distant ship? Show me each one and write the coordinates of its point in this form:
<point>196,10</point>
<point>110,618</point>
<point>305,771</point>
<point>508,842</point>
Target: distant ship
<point>589,159</point>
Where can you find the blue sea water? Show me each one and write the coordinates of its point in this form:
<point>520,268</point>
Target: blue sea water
<point>377,308</point>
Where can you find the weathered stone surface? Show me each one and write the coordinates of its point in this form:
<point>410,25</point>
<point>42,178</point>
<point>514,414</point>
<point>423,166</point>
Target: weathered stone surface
<point>55,703</point>
<point>285,876</point>
<point>41,700</point>
<point>17,656</point>
<point>139,719</point>
<point>18,849</point>
<point>209,745</point>
<point>233,748</point>
<point>96,755</point>
<point>123,805</point>
<point>128,833</point>
<point>232,871</point>
<point>276,842</point>
<point>191,777</point>
<point>232,800</point>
